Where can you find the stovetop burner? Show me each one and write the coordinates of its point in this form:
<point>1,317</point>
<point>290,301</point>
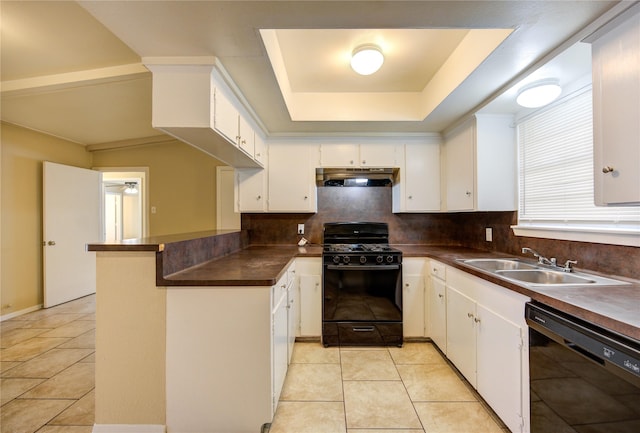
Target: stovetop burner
<point>358,248</point>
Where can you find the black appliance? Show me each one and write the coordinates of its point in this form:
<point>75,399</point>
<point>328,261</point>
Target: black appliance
<point>361,286</point>
<point>583,378</point>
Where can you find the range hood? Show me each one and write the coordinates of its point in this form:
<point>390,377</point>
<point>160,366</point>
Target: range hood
<point>348,176</point>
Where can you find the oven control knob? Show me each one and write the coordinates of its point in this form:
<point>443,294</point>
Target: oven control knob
<point>346,259</point>
<point>363,259</point>
<point>389,259</point>
<point>336,259</point>
<point>379,259</point>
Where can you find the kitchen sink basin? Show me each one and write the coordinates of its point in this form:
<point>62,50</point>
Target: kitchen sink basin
<point>536,275</point>
<point>544,277</point>
<point>498,264</point>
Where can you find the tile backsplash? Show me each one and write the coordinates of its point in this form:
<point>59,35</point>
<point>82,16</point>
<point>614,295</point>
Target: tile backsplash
<point>456,229</point>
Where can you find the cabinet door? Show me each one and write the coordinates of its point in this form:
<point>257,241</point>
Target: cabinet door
<point>378,155</point>
<point>339,155</point>
<point>246,134</point>
<point>499,366</point>
<point>616,109</point>
<point>437,316</point>
<point>260,152</point>
<point>413,306</point>
<point>461,333</point>
<point>278,347</point>
<point>460,167</point>
<point>310,306</point>
<point>291,179</point>
<point>293,316</point>
<point>250,187</point>
<point>422,177</point>
<point>225,117</point>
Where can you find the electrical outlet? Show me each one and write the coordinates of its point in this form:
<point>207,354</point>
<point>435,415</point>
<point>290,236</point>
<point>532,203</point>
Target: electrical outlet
<point>300,229</point>
<point>488,234</point>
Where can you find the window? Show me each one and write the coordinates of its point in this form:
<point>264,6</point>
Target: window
<point>556,178</point>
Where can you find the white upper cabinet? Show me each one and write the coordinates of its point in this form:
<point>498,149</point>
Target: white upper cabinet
<point>418,189</point>
<point>291,174</point>
<point>616,111</point>
<point>191,103</point>
<point>480,165</point>
<point>359,155</point>
<point>250,190</point>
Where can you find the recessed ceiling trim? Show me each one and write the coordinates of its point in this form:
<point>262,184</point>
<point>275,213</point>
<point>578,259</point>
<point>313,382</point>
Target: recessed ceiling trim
<point>361,106</point>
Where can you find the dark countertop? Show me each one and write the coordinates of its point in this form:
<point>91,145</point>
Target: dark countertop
<point>252,266</point>
<point>614,307</point>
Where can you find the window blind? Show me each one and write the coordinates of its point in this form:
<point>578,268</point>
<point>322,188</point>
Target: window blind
<point>556,170</point>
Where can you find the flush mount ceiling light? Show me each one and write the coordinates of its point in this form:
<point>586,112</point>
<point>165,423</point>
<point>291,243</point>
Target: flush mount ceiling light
<point>538,94</point>
<point>131,187</point>
<point>366,59</point>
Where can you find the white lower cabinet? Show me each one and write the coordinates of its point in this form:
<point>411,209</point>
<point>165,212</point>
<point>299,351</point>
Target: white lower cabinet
<point>279,339</point>
<point>436,305</point>
<point>309,272</point>
<point>413,312</point>
<point>487,340</point>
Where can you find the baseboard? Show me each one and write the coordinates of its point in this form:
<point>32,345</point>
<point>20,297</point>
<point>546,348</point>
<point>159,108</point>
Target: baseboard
<point>129,428</point>
<point>20,313</point>
<point>308,339</point>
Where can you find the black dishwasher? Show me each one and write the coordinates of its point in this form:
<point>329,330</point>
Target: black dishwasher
<point>583,378</point>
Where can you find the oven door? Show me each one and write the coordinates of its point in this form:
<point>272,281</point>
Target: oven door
<point>362,305</point>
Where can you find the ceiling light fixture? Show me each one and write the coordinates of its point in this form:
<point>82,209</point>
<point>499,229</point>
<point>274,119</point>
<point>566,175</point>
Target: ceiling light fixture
<point>538,94</point>
<point>366,59</point>
<point>131,187</point>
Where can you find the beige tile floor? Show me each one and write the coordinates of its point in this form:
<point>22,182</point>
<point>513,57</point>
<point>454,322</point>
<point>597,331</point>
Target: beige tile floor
<point>378,390</point>
<point>47,370</point>
<point>47,383</point>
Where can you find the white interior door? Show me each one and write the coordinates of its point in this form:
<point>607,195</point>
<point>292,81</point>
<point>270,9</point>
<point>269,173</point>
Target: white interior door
<point>71,219</point>
<point>227,217</point>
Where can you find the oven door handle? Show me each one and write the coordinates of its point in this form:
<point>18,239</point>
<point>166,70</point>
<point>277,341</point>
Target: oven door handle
<point>363,267</point>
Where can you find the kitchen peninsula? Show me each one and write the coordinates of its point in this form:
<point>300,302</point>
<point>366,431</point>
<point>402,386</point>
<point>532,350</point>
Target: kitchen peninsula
<point>194,323</point>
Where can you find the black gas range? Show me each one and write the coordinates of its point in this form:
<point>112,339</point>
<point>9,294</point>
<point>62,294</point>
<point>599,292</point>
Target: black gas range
<point>362,286</point>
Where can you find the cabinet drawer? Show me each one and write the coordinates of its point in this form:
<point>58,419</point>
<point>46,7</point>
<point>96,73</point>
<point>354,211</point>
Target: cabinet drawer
<point>438,270</point>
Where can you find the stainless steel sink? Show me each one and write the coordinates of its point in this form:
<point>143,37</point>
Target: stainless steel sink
<point>498,264</point>
<point>536,275</point>
<point>544,277</point>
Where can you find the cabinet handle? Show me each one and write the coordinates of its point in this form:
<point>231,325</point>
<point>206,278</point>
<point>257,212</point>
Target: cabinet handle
<point>259,197</point>
<point>51,243</point>
<point>306,197</point>
<point>440,295</point>
<point>608,169</point>
<point>257,154</point>
<point>469,315</point>
<point>351,162</point>
<point>468,193</point>
<point>476,320</point>
<point>410,197</point>
<point>364,161</point>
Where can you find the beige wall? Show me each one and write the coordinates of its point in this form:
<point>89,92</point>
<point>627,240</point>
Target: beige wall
<point>182,187</point>
<point>182,184</point>
<point>23,151</point>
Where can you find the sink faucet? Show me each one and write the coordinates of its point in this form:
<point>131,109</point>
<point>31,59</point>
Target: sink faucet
<point>551,262</point>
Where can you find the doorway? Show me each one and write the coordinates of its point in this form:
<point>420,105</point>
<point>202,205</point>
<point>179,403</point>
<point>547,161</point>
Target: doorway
<point>124,198</point>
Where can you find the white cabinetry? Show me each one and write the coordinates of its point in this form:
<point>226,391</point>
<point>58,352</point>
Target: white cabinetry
<point>413,313</point>
<point>293,307</point>
<point>291,174</point>
<point>309,271</point>
<point>359,155</point>
<point>480,165</point>
<point>487,339</point>
<point>616,112</point>
<point>419,186</point>
<point>436,305</point>
<point>251,190</point>
<point>192,103</point>
<point>279,339</point>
